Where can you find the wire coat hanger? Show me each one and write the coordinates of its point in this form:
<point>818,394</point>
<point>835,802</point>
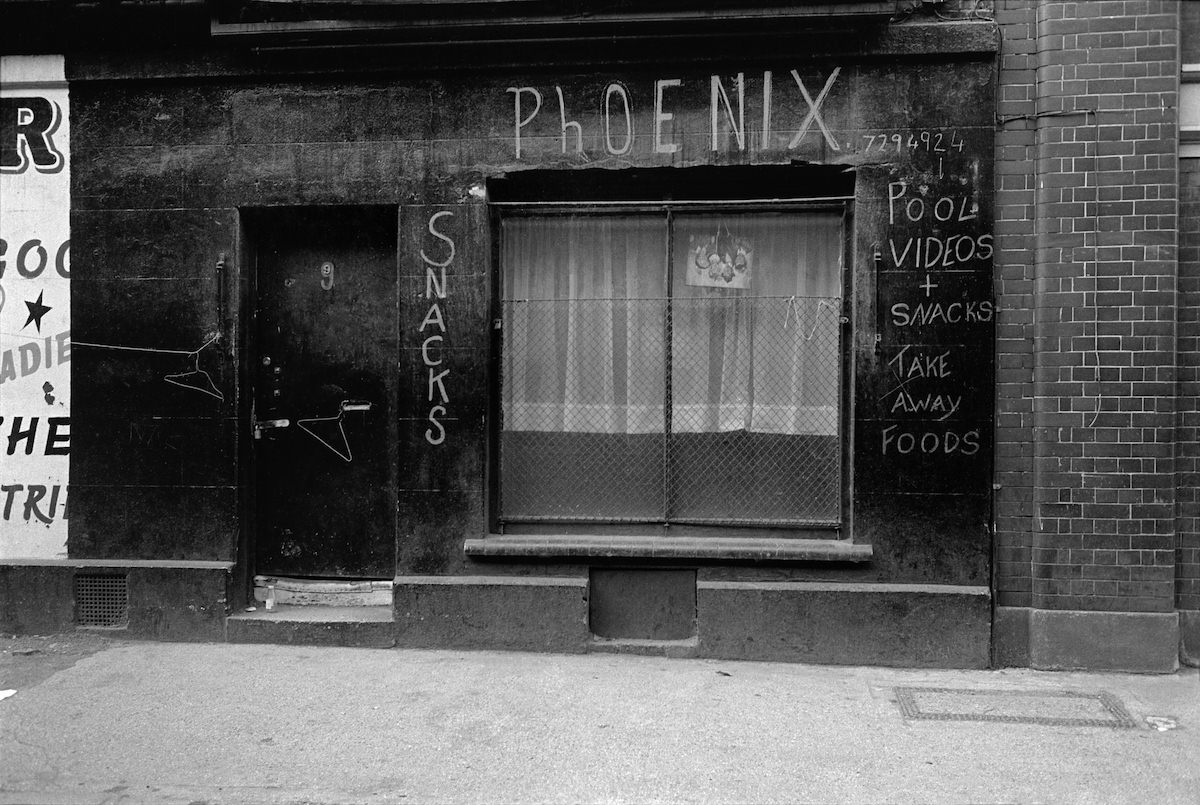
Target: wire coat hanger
<point>343,407</point>
<point>210,388</point>
<point>182,380</point>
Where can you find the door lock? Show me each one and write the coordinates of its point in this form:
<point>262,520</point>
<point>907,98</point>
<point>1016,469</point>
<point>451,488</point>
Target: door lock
<point>267,424</point>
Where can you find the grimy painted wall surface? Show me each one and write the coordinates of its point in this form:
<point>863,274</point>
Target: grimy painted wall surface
<point>918,139</point>
<point>35,307</point>
<point>169,170</point>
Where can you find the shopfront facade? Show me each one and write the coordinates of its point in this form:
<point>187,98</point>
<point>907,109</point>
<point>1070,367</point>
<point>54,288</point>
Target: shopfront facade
<point>670,333</point>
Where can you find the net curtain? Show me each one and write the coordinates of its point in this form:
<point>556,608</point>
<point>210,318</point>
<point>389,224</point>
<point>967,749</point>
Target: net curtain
<point>585,304</point>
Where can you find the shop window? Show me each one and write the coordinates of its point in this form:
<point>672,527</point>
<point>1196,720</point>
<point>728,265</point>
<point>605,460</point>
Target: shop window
<point>672,364</point>
<point>1189,103</point>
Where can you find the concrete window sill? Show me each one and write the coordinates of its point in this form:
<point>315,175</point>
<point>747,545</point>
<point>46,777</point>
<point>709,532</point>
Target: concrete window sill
<point>684,548</point>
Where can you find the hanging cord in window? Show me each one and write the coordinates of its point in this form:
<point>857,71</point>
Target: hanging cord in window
<point>931,6</point>
<point>339,418</point>
<point>958,16</point>
<point>793,308</point>
<point>195,379</point>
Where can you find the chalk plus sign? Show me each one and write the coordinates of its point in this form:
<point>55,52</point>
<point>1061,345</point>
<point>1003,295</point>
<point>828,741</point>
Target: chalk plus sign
<point>928,286</point>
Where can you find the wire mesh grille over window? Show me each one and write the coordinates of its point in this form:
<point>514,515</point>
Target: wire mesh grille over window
<point>684,369</point>
<point>102,600</point>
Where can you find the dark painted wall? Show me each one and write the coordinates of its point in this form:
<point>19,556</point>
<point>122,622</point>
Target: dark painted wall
<point>161,167</point>
<point>164,603</point>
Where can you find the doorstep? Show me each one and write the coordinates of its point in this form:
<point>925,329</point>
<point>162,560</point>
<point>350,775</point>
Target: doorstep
<point>686,649</point>
<point>323,592</point>
<point>355,627</point>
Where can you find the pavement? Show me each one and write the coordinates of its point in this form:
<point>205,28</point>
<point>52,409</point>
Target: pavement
<point>98,720</point>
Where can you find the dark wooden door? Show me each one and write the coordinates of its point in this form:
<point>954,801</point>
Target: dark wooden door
<point>324,432</point>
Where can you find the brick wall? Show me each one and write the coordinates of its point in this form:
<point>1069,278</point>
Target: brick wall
<point>1014,272</point>
<point>1086,267</point>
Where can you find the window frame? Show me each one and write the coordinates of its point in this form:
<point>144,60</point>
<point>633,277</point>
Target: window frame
<point>1189,111</point>
<point>745,532</point>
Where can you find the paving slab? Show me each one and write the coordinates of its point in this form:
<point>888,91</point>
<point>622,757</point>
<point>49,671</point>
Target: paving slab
<point>220,723</point>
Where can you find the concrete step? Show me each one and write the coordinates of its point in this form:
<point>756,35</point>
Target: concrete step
<point>323,592</point>
<point>675,649</point>
<point>361,627</point>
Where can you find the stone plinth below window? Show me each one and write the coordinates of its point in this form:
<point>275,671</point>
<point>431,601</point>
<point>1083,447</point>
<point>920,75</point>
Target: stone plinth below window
<point>653,547</point>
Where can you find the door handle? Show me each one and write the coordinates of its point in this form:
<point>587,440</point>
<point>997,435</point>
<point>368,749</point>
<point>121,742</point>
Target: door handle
<point>267,424</point>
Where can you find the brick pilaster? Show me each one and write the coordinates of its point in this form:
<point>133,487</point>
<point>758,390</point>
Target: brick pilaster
<point>1014,272</point>
<point>1087,226</point>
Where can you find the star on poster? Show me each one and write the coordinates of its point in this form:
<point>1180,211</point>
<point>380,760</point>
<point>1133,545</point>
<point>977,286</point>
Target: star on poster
<point>36,311</point>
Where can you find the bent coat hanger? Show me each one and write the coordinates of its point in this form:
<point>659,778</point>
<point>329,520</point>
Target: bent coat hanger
<point>345,405</point>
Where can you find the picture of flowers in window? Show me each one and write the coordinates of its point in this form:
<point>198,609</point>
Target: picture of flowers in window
<point>720,261</point>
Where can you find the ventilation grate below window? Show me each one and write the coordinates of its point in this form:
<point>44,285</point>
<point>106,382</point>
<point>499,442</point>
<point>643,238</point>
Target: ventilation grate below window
<point>102,600</point>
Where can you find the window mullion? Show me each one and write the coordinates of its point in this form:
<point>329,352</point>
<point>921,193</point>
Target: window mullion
<point>668,355</point>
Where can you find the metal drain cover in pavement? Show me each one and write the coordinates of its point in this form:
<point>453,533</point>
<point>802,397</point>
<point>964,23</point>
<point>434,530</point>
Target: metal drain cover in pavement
<point>1057,708</point>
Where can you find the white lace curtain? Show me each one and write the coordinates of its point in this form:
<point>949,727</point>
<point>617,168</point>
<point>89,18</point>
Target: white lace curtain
<point>585,323</point>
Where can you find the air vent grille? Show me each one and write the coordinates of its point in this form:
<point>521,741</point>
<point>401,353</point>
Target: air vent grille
<point>102,600</point>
